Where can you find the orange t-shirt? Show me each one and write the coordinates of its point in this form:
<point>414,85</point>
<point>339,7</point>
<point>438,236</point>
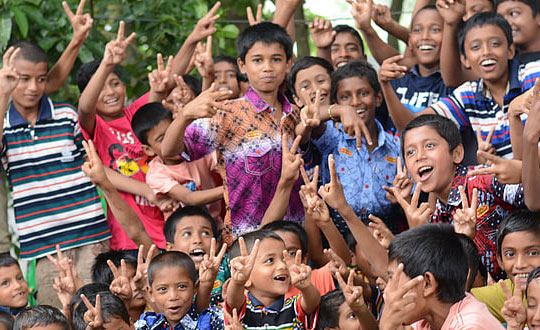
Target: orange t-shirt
<point>321,278</point>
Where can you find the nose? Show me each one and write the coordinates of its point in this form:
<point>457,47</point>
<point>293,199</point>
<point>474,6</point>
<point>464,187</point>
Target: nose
<point>196,238</point>
<point>32,85</point>
<point>356,100</point>
<point>222,78</point>
<point>425,33</point>
<point>342,52</point>
<point>521,262</point>
<point>267,66</point>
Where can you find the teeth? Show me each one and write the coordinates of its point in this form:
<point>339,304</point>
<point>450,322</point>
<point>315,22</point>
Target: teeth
<point>197,252</point>
<point>488,62</point>
<point>522,275</point>
<point>360,111</point>
<point>224,89</point>
<point>341,64</point>
<point>426,47</point>
<point>111,101</point>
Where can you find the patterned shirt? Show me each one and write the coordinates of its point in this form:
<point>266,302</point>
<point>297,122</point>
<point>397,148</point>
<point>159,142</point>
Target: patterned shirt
<point>247,138</point>
<point>495,201</point>
<point>54,202</point>
<point>209,319</point>
<point>471,105</point>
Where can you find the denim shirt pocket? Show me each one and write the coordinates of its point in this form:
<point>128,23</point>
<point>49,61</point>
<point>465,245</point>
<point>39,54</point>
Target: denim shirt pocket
<point>259,161</point>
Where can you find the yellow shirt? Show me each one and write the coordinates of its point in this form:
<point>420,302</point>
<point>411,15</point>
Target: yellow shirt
<point>493,296</point>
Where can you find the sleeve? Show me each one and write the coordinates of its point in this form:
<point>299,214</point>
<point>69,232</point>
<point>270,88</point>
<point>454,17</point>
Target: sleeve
<point>241,313</point>
<point>528,75</point>
<point>328,140</point>
<point>201,137</point>
<point>511,194</point>
<point>159,180</point>
<point>310,321</point>
<point>452,107</point>
<point>131,109</point>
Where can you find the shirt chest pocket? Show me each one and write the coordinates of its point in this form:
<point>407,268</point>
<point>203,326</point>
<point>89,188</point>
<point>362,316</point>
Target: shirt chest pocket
<point>259,161</point>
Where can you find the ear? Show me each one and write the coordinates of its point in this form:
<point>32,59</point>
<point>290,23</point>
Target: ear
<point>500,261</point>
<point>511,51</point>
<point>169,246</point>
<point>465,61</point>
<point>149,294</point>
<point>378,99</point>
<point>430,285</point>
<point>298,102</point>
<point>241,65</point>
<point>248,284</point>
<point>148,151</point>
<point>196,285</point>
<point>458,153</point>
<point>289,65</point>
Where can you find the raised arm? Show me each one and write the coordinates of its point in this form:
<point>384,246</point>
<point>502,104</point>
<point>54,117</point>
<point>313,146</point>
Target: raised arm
<point>323,35</point>
<point>9,78</point>
<point>381,15</point>
<point>204,63</point>
<point>284,12</point>
<point>531,133</point>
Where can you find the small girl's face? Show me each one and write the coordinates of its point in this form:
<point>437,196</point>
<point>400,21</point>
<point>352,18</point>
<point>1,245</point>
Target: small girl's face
<point>13,287</point>
<point>347,318</point>
<point>533,308</point>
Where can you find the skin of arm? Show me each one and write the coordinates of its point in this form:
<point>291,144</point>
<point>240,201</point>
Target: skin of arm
<point>88,98</point>
<point>128,185</point>
<point>314,241</point>
<point>173,141</point>
<point>284,12</point>
<point>397,30</point>
<point>279,204</point>
<point>310,299</point>
<point>199,197</point>
<point>530,175</point>
<point>336,241</point>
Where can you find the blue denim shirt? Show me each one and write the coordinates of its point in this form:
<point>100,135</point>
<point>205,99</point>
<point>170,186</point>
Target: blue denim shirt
<point>209,319</point>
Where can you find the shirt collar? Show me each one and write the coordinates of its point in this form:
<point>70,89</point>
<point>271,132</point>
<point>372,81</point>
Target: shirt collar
<point>381,134</point>
<point>45,112</point>
<point>260,105</point>
<point>414,70</point>
<point>460,179</point>
<point>276,306</point>
<point>513,80</point>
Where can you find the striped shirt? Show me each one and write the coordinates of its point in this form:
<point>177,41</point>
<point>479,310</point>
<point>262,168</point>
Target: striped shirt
<point>471,105</point>
<point>54,202</point>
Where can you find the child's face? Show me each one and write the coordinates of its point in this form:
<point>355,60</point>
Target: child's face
<point>487,52</point>
<point>358,93</point>
<point>13,287</point>
<point>533,307</point>
<point>347,318</point>
<point>520,254</point>
<point>31,86</point>
<point>311,80</point>
<point>172,293</point>
<point>344,49</point>
<point>270,276</point>
<point>524,24</point>
<point>154,138</point>
<point>266,66</point>
<point>292,244</point>
<point>226,79</point>
<point>193,236</point>
<point>425,38</point>
<point>111,98</point>
<point>473,7</point>
<point>429,160</point>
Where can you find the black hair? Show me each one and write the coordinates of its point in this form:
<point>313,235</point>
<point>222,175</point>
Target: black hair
<point>111,307</point>
<point>40,316</point>
<point>7,320</point>
<point>520,220</point>
<point>31,52</point>
<point>532,275</point>
<point>147,117</point>
<point>242,78</point>
<point>306,63</point>
<point>7,260</point>
<point>249,239</point>
<point>481,19</point>
<point>101,273</point>
<point>87,290</point>
<point>533,4</point>
<point>328,309</point>
<point>290,227</point>
<point>267,33</point>
<point>172,259</point>
<point>229,59</point>
<point>350,240</point>
<point>445,127</point>
<point>342,28</point>
<point>473,259</point>
<point>193,83</point>
<point>87,70</point>
<point>426,7</point>
<point>169,229</point>
<point>356,68</point>
<point>437,249</point>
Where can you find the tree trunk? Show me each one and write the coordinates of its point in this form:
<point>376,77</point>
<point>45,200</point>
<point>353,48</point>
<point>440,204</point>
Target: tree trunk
<point>302,43</point>
<point>397,6</point>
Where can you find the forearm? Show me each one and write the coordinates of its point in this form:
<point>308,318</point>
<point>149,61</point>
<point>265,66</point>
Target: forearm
<point>207,82</point>
<point>336,242</point>
<point>452,72</point>
<point>173,141</point>
<point>315,245</point>
<point>182,59</point>
<point>235,295</point>
<point>367,321</point>
<point>127,184</point>
<point>379,49</point>
<point>401,116</point>
<point>279,204</point>
<point>310,299</point>
<point>4,104</point>
<point>202,301</point>
<point>89,97</point>
<point>324,53</point>
<point>397,30</point>
<point>156,97</point>
<point>199,197</point>
<point>283,14</point>
<point>531,177</point>
<point>61,69</point>
<point>516,136</point>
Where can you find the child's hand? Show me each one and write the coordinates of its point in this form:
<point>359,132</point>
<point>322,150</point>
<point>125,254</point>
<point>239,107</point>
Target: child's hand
<point>505,170</point>
<point>205,105</point>
<point>402,183</point>
<point>140,280</point>
<point>92,317</point>
<point>203,58</point>
<point>332,192</point>
<point>257,19</point>
<point>121,285</point>
<point>291,162</point>
<point>81,23</point>
<point>513,310</point>
<point>391,69</point>
<point>233,322</point>
<point>177,99</point>
<point>9,77</point>
<point>361,12</point>
<point>521,104</point>
<point>381,15</point>
<point>160,79</point>
<point>532,126</point>
<point>399,300</point>
<point>353,124</point>
<point>66,284</point>
<point>115,50</point>
<point>353,294</point>
<point>485,145</point>
<point>242,265</point>
<point>322,32</point>
<point>337,265</point>
<point>416,216</point>
<point>205,26</point>
<point>465,218</point>
<point>381,233</point>
<point>309,188</point>
<point>309,114</point>
<point>93,167</point>
<point>452,11</point>
<point>300,273</point>
<point>209,267</point>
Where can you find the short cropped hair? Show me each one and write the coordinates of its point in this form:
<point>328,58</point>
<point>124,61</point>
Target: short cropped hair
<point>169,230</point>
<point>520,220</point>
<point>111,307</point>
<point>7,260</point>
<point>473,259</point>
<point>101,273</point>
<point>229,59</point>
<point>306,63</point>
<point>147,117</point>
<point>437,249</point>
<point>6,320</point>
<point>267,33</point>
<point>342,28</point>
<point>171,259</point>
<point>481,19</point>
<point>533,4</point>
<point>356,68</point>
<point>88,290</point>
<point>193,83</point>
<point>329,309</point>
<point>290,227</point>
<point>445,127</point>
<point>40,316</point>
<point>87,70</point>
<point>249,239</point>
<point>31,52</point>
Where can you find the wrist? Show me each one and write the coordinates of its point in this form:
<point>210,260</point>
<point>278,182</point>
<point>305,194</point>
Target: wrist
<point>530,136</point>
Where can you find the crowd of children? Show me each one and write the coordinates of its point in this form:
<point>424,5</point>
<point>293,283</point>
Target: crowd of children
<point>282,192</point>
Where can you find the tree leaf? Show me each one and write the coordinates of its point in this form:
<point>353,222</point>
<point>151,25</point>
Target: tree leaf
<point>5,29</point>
<point>22,21</point>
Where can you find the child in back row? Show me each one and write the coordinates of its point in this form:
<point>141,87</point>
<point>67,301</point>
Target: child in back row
<point>14,289</point>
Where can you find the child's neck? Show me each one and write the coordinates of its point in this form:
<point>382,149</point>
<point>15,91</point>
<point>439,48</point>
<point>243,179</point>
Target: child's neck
<point>443,195</point>
<point>437,314</point>
<point>424,70</point>
<point>29,114</point>
<point>271,98</point>
<point>111,118</point>
<point>497,88</point>
<point>531,47</point>
<point>264,299</point>
<point>374,133</point>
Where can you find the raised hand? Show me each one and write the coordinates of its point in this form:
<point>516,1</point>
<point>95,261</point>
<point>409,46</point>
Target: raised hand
<point>322,32</point>
<point>332,192</point>
<point>242,265</point>
<point>203,58</point>
<point>92,317</point>
<point>121,284</point>
<point>391,69</point>
<point>115,50</point>
<point>300,273</point>
<point>81,23</point>
<point>380,231</point>
<point>532,126</point>
<point>291,162</point>
<point>205,26</point>
<point>209,267</point>
<point>203,106</point>
<point>402,183</point>
<point>353,294</point>
<point>337,265</point>
<point>353,125</point>
<point>93,167</point>
<point>381,15</point>
<point>416,216</point>
<point>452,11</point>
<point>514,311</point>
<point>309,188</point>
<point>179,97</point>
<point>361,12</point>
<point>309,114</point>
<point>257,19</point>
<point>67,283</point>
<point>232,320</point>
<point>140,280</point>
<point>465,218</point>
<point>485,145</point>
<point>505,170</point>
<point>160,79</point>
<point>9,77</point>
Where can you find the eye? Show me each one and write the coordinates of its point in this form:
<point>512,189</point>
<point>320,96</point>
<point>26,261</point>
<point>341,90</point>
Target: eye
<point>351,316</point>
<point>4,283</point>
<point>334,49</point>
<point>514,13</point>
<point>364,93</point>
<point>430,145</point>
<point>509,254</point>
<point>186,234</point>
<point>436,29</point>
<point>306,86</point>
<point>344,97</point>
<point>292,253</point>
<point>495,43</point>
<point>410,152</point>
<point>417,30</point>
<point>256,60</point>
<point>182,286</point>
<point>20,278</point>
<point>217,75</point>
<point>276,59</point>
<point>42,79</point>
<point>533,253</point>
<point>321,81</point>
<point>352,49</point>
<point>269,260</point>
<point>475,47</point>
<point>161,289</point>
<point>231,76</point>
<point>205,233</point>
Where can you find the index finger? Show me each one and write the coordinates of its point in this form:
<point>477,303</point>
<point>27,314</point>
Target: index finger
<point>209,45</point>
<point>150,252</point>
<point>68,11</point>
<point>341,281</point>
<point>213,247</point>
<point>254,252</point>
<point>479,136</point>
<point>464,200</point>
<point>113,268</point>
<point>416,195</point>
<point>120,33</point>
<point>243,249</point>
<point>505,289</point>
<point>365,131</point>
<point>474,204</point>
<point>59,252</point>
<point>315,174</point>
<point>399,166</point>
<point>221,253</point>
<point>87,302</point>
<point>295,145</point>
<point>490,134</point>
<point>123,268</point>
<point>332,168</point>
<point>212,11</point>
<point>304,175</point>
<point>251,19</point>
<point>298,257</point>
<point>160,65</point>
<point>80,7</point>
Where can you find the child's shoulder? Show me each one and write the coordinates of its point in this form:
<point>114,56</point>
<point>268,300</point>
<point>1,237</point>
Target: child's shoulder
<point>63,110</point>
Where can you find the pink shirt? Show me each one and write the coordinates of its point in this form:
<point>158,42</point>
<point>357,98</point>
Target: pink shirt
<point>120,150</point>
<point>468,313</point>
<point>162,178</point>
